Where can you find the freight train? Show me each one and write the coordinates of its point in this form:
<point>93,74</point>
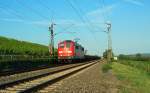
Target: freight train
<point>69,50</point>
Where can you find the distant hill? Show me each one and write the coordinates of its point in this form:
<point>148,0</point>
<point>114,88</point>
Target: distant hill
<point>137,57</point>
<point>146,54</point>
<point>10,46</point>
<point>142,54</point>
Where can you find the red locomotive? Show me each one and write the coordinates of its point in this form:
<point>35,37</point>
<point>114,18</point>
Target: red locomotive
<point>70,50</point>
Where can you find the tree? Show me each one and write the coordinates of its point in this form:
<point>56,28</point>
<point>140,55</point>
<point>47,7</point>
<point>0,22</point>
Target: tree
<point>105,54</point>
<point>138,55</point>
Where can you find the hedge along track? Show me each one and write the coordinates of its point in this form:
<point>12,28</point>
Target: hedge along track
<point>18,71</point>
<point>35,83</point>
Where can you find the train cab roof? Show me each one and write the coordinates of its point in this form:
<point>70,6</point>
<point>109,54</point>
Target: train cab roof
<point>77,44</point>
<point>66,41</point>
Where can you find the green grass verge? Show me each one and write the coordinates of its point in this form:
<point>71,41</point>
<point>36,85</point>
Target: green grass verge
<point>133,80</point>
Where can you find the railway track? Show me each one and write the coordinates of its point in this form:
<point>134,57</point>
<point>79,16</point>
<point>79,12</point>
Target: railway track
<point>34,83</point>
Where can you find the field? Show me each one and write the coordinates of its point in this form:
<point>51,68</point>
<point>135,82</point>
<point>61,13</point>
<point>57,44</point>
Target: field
<point>142,65</point>
<point>133,75</point>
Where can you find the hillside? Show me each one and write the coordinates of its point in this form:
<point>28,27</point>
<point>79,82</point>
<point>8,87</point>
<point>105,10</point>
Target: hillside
<point>142,54</point>
<point>146,54</point>
<point>15,47</point>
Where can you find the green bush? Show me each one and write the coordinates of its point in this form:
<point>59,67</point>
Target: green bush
<point>137,57</point>
<point>106,67</point>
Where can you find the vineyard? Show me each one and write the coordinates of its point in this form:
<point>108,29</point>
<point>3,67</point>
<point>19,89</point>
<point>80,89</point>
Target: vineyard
<point>15,50</point>
<point>14,47</point>
<point>16,54</point>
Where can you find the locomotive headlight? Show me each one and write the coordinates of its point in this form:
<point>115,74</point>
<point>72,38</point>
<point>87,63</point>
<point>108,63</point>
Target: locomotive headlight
<point>60,51</point>
<point>69,51</point>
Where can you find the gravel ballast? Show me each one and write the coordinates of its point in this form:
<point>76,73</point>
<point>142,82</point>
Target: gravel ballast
<point>90,80</point>
<point>25,75</point>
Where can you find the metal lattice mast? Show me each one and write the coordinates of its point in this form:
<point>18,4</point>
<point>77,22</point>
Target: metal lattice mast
<point>51,45</point>
<point>109,52</point>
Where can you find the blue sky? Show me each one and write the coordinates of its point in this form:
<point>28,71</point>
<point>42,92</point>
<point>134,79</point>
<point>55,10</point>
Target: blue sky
<point>28,20</point>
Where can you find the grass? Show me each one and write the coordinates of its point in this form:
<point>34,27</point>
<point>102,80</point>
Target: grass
<point>143,65</point>
<point>133,80</point>
<point>106,67</point>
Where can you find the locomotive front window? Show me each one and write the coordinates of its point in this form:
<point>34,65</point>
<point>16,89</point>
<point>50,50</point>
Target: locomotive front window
<point>82,49</point>
<point>77,47</point>
<point>61,45</point>
<point>68,44</point>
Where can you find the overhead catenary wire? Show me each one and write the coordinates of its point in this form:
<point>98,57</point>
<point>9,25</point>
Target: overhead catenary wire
<point>89,22</point>
<point>109,50</point>
<point>86,18</point>
<point>51,11</point>
<point>91,26</point>
<point>102,6</point>
<point>82,19</point>
<point>78,13</point>
<point>42,3</point>
<point>33,10</point>
<point>16,14</point>
<point>19,16</point>
<point>13,12</point>
<point>10,11</point>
